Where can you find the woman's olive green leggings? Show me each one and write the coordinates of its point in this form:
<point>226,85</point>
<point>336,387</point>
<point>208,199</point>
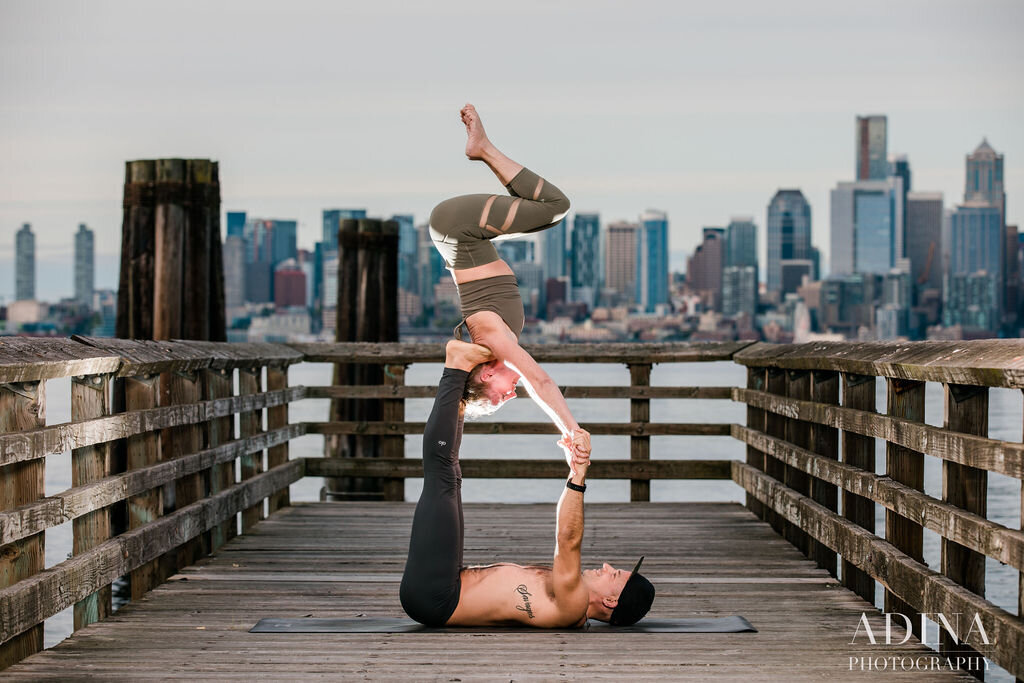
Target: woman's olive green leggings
<point>462,227</point>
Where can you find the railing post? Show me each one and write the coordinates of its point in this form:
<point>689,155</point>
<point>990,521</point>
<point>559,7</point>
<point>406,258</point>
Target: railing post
<point>966,488</point>
<point>182,388</point>
<point>394,446</point>
<point>798,433</point>
<point>775,425</point>
<point>143,450</point>
<point>904,399</point>
<point>859,451</point>
<point>755,421</point>
<point>218,384</point>
<point>250,423</point>
<point>639,446</point>
<point>90,398</point>
<point>277,417</point>
<point>825,441</point>
<point>22,407</point>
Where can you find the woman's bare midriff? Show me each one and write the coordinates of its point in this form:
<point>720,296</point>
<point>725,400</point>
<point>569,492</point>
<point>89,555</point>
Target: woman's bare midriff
<point>492,269</point>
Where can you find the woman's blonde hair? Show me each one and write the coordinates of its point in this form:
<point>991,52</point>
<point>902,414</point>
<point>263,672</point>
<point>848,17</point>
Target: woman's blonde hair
<point>475,401</point>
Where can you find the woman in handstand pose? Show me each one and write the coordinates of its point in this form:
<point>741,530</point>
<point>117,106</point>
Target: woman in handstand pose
<point>462,229</point>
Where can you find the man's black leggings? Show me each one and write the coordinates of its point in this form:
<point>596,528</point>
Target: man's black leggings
<point>431,582</point>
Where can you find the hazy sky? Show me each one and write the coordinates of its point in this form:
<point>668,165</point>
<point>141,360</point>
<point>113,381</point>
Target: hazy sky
<point>699,109</point>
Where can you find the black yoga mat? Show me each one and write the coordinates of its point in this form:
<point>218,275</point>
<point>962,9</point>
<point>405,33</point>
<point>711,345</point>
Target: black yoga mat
<point>734,624</point>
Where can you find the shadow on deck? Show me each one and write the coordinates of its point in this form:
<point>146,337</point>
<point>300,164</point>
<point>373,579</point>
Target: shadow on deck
<point>346,560</point>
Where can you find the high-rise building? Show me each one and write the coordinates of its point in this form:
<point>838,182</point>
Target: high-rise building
<point>236,223</point>
<point>270,240</point>
<point>553,245</point>
<point>976,256</point>
<point>924,239</point>
<point>289,285</point>
<point>332,222</point>
<point>984,182</point>
<point>789,233</point>
<point>739,290</point>
<point>25,264</point>
<point>867,216</point>
<point>85,265</point>
<point>515,250</point>
<point>741,242</point>
<point>586,247</point>
<point>621,260</point>
<point>430,265</point>
<point>408,244</point>
<point>871,141</point>
<point>652,260</point>
<point>234,271</point>
<point>704,268</point>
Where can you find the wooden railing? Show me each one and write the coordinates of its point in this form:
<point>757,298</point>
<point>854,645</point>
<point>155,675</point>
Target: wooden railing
<point>796,422</point>
<point>153,451</point>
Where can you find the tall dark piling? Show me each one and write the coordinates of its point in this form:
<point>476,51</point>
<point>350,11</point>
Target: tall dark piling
<point>367,312</point>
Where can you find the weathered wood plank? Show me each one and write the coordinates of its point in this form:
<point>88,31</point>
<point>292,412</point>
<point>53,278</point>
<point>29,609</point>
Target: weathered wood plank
<point>755,421</point>
<point>967,529</point>
<point>619,428</point>
<point>44,594</point>
<point>966,410</point>
<point>30,359</point>
<point>139,485</point>
<point>429,391</point>
<point>38,443</point>
<point>639,446</point>
<point>90,398</point>
<point>22,406</point>
<point>859,451</point>
<point>277,418</point>
<point>825,442</point>
<point>385,353</point>
<point>1004,457</point>
<point>522,469</point>
<point>250,423</point>
<point>798,386</point>
<point>775,424</point>
<point>182,388</point>
<point>142,393</point>
<point>987,362</point>
<point>924,589</point>
<point>218,383</point>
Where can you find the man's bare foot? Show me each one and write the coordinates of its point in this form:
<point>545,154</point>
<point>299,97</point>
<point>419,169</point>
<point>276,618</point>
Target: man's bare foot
<point>465,356</point>
<point>477,143</point>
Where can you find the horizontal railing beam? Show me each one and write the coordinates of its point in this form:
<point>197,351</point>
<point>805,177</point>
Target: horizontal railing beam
<point>55,510</point>
<point>30,601</point>
<point>489,468</point>
<point>618,429</point>
<point>1004,457</point>
<point>429,391</point>
<point>924,589</point>
<point>38,443</point>
<point>966,528</point>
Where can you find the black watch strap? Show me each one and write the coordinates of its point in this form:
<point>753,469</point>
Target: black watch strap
<point>576,487</point>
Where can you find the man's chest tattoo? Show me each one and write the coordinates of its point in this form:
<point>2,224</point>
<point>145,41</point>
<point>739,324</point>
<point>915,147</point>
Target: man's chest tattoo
<point>525,594</point>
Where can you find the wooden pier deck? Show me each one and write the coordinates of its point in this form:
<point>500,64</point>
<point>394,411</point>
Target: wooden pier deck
<point>346,559</point>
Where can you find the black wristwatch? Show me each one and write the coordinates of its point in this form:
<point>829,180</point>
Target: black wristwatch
<point>576,487</point>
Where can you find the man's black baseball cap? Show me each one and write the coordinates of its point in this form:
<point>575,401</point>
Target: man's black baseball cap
<point>634,600</point>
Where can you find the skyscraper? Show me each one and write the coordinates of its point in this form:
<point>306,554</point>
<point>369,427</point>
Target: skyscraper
<point>974,286</point>
<point>25,264</point>
<point>652,260</point>
<point>867,216</point>
<point>236,223</point>
<point>740,272</point>
<point>789,233</point>
<point>924,239</point>
<point>704,269</point>
<point>872,158</point>
<point>983,186</point>
<point>553,246</point>
<point>408,243</point>
<point>332,221</point>
<point>85,266</point>
<point>621,260</point>
<point>585,253</point>
<point>234,272</point>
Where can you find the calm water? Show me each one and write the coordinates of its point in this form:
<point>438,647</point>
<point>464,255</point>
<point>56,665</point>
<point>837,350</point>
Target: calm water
<point>1005,422</point>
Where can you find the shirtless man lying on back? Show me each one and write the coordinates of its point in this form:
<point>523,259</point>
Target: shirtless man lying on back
<point>437,590</point>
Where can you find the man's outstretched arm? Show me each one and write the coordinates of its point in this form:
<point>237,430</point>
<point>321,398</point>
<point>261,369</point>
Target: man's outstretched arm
<point>570,593</point>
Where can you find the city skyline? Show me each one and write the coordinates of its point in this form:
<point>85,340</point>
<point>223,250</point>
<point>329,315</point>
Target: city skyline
<point>656,123</point>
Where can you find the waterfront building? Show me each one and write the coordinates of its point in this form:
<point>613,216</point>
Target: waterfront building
<point>236,224</point>
<point>871,148</point>
<point>789,233</point>
<point>85,265</point>
<point>554,252</point>
<point>332,223</point>
<point>867,216</point>
<point>25,264</point>
<point>652,260</point>
<point>586,247</point>
<point>621,259</point>
<point>704,268</point>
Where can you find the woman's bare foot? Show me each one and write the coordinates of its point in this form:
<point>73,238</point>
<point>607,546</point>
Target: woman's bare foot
<point>465,356</point>
<point>477,144</point>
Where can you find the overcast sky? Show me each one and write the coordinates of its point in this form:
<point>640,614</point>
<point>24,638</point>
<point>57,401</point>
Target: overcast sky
<point>702,110</point>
